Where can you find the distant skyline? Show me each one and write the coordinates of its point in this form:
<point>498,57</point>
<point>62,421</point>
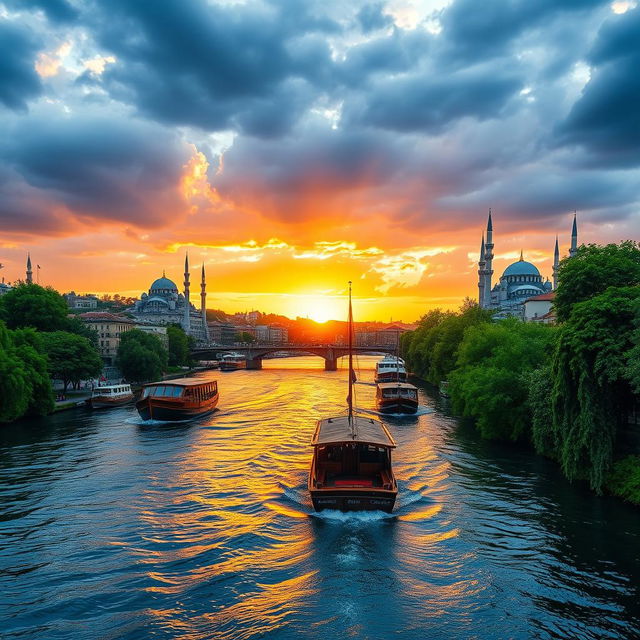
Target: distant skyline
<point>292,146</point>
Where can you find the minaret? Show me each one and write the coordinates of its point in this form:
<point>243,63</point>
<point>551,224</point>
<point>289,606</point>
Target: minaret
<point>556,264</point>
<point>488,256</point>
<point>574,237</point>
<point>186,324</point>
<point>481,264</point>
<point>203,305</point>
<point>29,272</point>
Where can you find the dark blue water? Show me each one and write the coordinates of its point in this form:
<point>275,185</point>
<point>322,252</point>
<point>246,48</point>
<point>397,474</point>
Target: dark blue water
<point>109,529</point>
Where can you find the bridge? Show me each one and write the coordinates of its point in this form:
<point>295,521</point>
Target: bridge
<point>256,352</point>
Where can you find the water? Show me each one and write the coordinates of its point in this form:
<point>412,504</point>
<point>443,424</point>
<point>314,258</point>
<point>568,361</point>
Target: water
<point>110,529</point>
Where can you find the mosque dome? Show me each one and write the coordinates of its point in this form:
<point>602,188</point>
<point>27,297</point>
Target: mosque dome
<point>162,284</point>
<point>521,268</point>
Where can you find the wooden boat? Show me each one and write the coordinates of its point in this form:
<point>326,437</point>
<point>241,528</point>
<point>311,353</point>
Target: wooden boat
<point>390,369</point>
<point>179,399</point>
<point>232,362</point>
<point>351,464</point>
<point>115,395</point>
<point>396,397</point>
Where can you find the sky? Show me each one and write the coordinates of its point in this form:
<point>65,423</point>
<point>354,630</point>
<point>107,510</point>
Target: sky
<point>293,145</point>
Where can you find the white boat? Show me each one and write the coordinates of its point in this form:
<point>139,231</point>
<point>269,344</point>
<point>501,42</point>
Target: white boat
<point>114,395</point>
<point>232,362</point>
<point>391,369</point>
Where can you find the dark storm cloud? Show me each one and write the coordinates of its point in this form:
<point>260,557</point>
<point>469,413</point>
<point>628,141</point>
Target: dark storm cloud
<point>18,80</point>
<point>482,31</point>
<point>55,10</point>
<point>92,168</point>
<point>189,62</point>
<point>371,17</point>
<point>606,118</point>
<point>422,102</point>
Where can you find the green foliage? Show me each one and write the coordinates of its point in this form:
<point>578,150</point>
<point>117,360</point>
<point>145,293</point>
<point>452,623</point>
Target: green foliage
<point>591,392</point>
<point>141,356</point>
<point>26,388</point>
<point>491,380</point>
<point>179,346</point>
<point>594,269</point>
<point>244,337</point>
<point>71,358</point>
<point>624,479</point>
<point>540,385</point>
<point>633,355</point>
<point>30,305</point>
<point>431,350</point>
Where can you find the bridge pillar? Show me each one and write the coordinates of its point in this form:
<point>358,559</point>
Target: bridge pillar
<point>331,364</point>
<point>254,363</point>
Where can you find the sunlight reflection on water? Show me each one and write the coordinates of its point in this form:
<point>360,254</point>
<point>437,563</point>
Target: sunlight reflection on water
<point>205,529</point>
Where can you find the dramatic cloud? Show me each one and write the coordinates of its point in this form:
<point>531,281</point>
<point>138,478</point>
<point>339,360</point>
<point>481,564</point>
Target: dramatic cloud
<point>324,141</point>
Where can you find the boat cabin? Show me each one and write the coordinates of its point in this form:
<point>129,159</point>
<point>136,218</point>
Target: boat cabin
<point>111,390</point>
<point>352,455</point>
<point>397,390</point>
<point>187,388</point>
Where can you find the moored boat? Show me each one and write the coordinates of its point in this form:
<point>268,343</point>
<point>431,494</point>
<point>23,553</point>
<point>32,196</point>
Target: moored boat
<point>232,362</point>
<point>177,400</point>
<point>396,397</point>
<point>351,464</point>
<point>115,395</point>
<point>390,369</point>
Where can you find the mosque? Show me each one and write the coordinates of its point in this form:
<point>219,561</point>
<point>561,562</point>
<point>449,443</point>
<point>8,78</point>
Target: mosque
<point>520,280</point>
<point>165,305</point>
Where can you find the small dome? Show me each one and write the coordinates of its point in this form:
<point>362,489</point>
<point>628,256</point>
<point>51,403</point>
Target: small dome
<point>526,290</point>
<point>521,268</point>
<point>164,283</point>
<point>158,300</point>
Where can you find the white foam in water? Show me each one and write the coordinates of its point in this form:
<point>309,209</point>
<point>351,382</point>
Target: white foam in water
<point>154,423</point>
<point>363,517</point>
<point>422,411</point>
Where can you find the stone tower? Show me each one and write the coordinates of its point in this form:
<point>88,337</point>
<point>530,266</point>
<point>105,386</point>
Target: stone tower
<point>186,325</point>
<point>29,271</point>
<point>203,305</point>
<point>574,237</point>
<point>488,257</point>
<point>481,264</point>
<point>556,264</point>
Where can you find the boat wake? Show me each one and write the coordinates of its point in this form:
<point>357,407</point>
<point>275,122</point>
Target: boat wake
<point>359,517</point>
<point>139,422</point>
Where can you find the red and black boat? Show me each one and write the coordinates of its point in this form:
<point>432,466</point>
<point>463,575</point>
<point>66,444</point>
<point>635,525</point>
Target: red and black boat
<point>178,400</point>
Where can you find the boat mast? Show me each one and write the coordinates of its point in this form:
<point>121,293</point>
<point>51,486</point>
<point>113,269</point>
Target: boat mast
<point>350,396</point>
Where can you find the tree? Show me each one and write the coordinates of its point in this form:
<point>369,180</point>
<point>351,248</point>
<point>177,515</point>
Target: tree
<point>30,305</point>
<point>244,336</point>
<point>26,387</point>
<point>71,358</point>
<point>491,379</point>
<point>591,389</point>
<point>592,270</point>
<point>179,346</point>
<point>141,356</point>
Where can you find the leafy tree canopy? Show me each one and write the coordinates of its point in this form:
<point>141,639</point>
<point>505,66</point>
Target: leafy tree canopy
<point>141,356</point>
<point>26,387</point>
<point>591,393</point>
<point>71,358</point>
<point>30,305</point>
<point>592,271</point>
<point>179,346</point>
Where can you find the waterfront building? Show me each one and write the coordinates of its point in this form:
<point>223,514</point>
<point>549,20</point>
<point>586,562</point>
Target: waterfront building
<point>164,305</point>
<point>109,327</point>
<point>75,301</point>
<point>520,281</point>
<point>4,287</point>
<point>538,308</point>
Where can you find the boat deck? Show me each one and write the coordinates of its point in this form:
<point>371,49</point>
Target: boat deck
<point>380,479</point>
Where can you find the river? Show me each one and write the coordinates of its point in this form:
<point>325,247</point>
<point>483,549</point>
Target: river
<point>111,529</point>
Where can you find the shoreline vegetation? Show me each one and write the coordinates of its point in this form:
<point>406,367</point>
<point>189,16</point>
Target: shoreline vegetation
<point>41,342</point>
<point>569,391</point>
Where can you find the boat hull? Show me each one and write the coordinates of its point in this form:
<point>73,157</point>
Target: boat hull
<point>234,366</point>
<point>401,405</point>
<point>396,376</point>
<point>104,402</point>
<point>345,500</point>
<point>151,408</point>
